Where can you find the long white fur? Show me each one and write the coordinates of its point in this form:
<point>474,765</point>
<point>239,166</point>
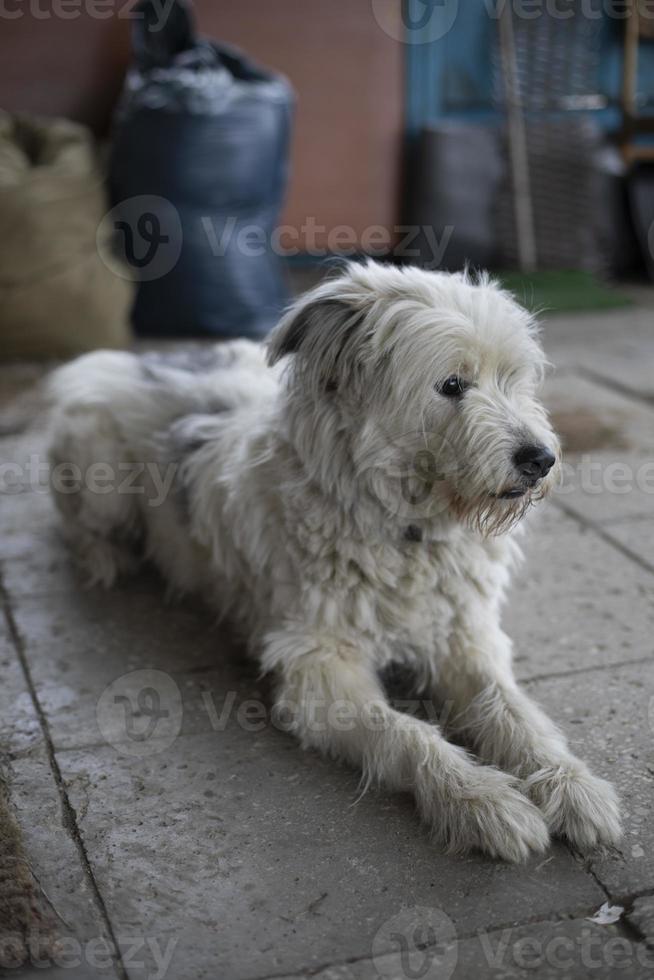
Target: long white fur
<point>298,509</point>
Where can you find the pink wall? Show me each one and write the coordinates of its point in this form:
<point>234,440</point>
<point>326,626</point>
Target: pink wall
<point>347,71</point>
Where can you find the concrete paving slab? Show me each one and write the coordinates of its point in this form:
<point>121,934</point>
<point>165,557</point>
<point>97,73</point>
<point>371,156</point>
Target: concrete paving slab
<point>607,486</point>
<point>637,535</point>
<point>20,730</point>
<point>214,839</point>
<point>21,397</point>
<point>591,417</point>
<point>25,502</point>
<point>617,347</point>
<point>250,854</point>
<point>547,950</point>
<point>80,643</point>
<point>37,562</point>
<point>84,947</point>
<point>608,715</point>
<point>95,645</point>
<point>29,449</point>
<point>52,854</point>
<point>19,512</point>
<point>641,917</point>
<point>576,602</point>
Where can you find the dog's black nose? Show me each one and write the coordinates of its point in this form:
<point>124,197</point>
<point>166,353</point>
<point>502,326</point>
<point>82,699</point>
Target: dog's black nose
<point>534,462</point>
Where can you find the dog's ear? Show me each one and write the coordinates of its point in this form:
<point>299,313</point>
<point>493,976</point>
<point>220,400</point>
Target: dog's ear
<point>322,331</point>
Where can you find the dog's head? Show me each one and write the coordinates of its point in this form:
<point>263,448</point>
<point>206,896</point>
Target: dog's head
<point>429,380</point>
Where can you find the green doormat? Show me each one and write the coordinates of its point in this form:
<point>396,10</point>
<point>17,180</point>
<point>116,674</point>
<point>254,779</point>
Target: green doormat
<point>564,291</point>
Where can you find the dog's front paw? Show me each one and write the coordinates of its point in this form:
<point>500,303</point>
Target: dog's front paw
<point>577,805</point>
<point>491,815</point>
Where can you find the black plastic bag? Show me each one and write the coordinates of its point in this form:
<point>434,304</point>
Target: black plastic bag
<point>198,171</point>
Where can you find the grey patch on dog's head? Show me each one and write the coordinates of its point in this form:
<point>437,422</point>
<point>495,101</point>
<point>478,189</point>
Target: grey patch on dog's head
<point>323,334</point>
<point>328,319</point>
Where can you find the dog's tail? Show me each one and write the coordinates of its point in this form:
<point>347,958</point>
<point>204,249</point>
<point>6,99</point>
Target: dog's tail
<point>147,393</point>
<point>113,386</point>
<point>99,378</point>
<point>112,416</point>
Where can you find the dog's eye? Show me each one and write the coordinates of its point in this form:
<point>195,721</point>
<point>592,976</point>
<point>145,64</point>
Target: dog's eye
<point>453,387</point>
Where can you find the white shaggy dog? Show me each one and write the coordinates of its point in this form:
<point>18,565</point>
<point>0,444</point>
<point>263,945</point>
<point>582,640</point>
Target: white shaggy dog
<point>353,507</point>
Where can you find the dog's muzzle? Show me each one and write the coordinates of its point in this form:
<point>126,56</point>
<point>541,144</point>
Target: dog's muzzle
<point>533,463</point>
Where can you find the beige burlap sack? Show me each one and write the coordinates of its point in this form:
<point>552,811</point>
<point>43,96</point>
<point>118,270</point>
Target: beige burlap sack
<point>57,296</point>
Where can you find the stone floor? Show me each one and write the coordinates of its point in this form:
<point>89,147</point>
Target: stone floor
<point>213,847</point>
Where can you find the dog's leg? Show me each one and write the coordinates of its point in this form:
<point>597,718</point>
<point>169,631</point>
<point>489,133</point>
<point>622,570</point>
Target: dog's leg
<point>510,731</point>
<point>335,704</point>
